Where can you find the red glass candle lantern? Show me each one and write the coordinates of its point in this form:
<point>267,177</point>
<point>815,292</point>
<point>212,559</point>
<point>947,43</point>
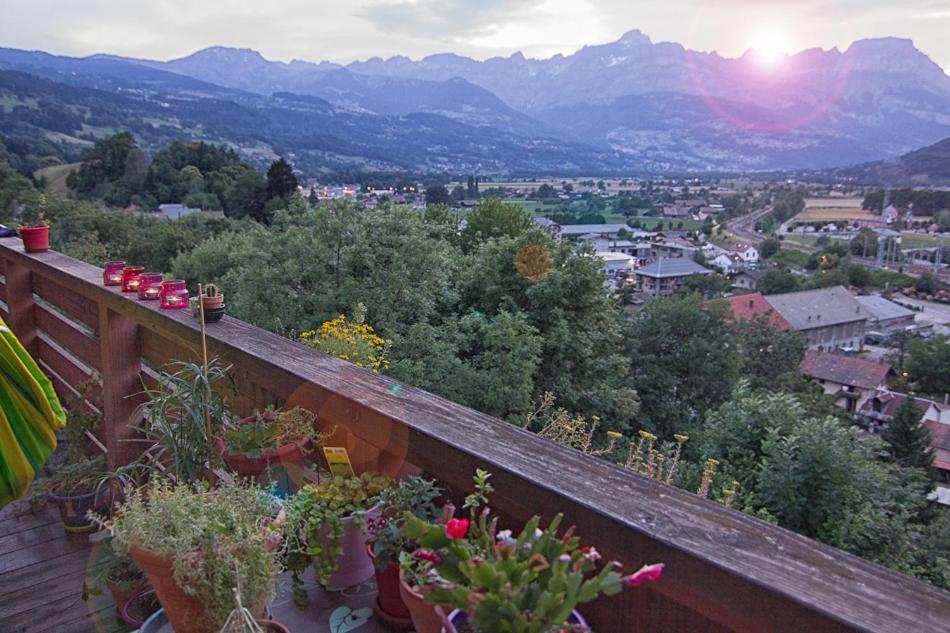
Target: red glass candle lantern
<point>112,273</point>
<point>150,284</point>
<point>174,295</point>
<point>130,278</point>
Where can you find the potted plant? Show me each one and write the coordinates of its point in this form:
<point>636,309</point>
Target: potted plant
<point>212,303</point>
<point>268,442</point>
<point>35,232</point>
<point>182,418</point>
<point>196,543</point>
<point>416,496</point>
<point>75,487</point>
<point>497,582</point>
<point>116,572</point>
<point>139,608</point>
<point>326,526</point>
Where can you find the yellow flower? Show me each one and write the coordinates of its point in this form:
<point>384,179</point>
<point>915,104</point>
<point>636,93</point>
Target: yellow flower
<point>614,434</point>
<point>680,438</point>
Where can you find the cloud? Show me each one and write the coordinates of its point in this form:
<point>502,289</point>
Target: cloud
<point>328,29</point>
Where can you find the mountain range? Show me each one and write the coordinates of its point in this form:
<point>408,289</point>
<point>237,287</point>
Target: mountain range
<point>631,105</point>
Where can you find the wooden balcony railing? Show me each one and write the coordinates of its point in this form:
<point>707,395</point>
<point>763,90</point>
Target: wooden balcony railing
<point>725,571</point>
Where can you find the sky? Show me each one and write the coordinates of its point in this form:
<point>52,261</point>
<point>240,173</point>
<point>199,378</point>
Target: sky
<point>316,30</point>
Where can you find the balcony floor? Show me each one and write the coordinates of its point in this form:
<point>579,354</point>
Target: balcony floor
<point>42,570</point>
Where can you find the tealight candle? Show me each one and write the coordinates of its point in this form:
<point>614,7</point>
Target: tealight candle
<point>112,273</point>
<point>174,295</point>
<point>149,285</point>
<point>130,278</point>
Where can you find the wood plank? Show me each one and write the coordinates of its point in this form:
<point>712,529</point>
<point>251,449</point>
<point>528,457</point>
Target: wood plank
<point>78,342</point>
<point>29,599</point>
<point>21,317</point>
<point>51,354</point>
<point>76,305</point>
<point>121,388</point>
<point>56,613</point>
<point>27,556</point>
<point>10,543</point>
<point>28,520</point>
<point>160,351</point>
<point>45,570</point>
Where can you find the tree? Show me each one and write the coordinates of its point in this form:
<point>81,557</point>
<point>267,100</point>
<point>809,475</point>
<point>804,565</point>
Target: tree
<point>546,191</point>
<point>908,440</point>
<point>769,247</point>
<point>281,181</point>
<point>437,194</point>
<point>492,218</point>
<point>929,366</point>
<point>777,282</point>
<point>709,286</point>
<point>814,475</point>
<point>682,365</point>
<point>769,358</point>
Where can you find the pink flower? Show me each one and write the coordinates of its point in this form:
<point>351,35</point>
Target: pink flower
<point>644,574</point>
<point>591,553</point>
<point>456,528</point>
<point>424,554</point>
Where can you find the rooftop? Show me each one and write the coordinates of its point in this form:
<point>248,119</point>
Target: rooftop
<point>678,267</point>
<point>818,308</point>
<point>846,370</point>
<point>751,306</point>
<point>600,229</point>
<point>881,309</point>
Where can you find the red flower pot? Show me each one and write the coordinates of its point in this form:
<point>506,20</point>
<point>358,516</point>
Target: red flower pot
<point>294,454</point>
<point>424,617</point>
<point>389,604</point>
<point>35,238</point>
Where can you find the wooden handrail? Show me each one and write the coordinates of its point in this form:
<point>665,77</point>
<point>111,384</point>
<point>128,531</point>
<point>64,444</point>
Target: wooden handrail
<point>726,571</point>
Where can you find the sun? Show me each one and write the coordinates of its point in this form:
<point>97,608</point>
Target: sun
<point>770,47</point>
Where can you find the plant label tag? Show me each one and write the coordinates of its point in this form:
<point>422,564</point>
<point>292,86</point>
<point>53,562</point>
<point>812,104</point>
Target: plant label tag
<point>338,461</point>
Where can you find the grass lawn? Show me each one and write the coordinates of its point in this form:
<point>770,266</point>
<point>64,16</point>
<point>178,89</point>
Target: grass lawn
<point>56,175</point>
<point>917,241</point>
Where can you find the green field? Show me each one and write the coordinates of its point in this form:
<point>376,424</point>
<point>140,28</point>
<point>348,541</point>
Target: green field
<point>56,175</point>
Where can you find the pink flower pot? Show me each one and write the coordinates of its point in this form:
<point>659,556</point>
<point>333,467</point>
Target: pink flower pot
<point>354,564</point>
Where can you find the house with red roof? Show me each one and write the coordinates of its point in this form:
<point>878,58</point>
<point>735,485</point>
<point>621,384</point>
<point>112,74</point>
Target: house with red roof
<point>850,380</point>
<point>753,306</point>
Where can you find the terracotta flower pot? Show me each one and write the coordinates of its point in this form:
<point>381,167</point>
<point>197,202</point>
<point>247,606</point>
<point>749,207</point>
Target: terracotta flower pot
<point>424,617</point>
<point>120,595</point>
<point>290,458</point>
<point>389,604</point>
<point>186,613</point>
<point>35,238</point>
<point>210,303</point>
<point>353,565</point>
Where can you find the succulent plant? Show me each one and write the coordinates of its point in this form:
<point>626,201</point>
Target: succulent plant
<point>529,583</point>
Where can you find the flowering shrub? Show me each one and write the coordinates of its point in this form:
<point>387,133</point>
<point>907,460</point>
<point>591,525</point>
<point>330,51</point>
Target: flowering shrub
<point>529,583</point>
<point>350,340</point>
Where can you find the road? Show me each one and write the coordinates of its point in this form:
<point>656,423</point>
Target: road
<point>743,228</point>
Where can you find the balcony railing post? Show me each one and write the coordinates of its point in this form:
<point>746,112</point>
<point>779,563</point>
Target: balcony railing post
<point>121,383</point>
<point>20,304</point>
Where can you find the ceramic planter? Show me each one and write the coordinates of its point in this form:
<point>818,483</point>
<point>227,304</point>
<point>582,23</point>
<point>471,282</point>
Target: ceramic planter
<point>458,619</point>
<point>354,565</point>
<point>135,611</point>
<point>424,617</point>
<point>389,606</point>
<point>73,509</point>
<point>35,238</point>
<point>157,624</point>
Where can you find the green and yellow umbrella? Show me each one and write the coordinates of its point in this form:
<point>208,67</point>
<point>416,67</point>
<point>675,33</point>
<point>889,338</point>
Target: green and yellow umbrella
<point>30,413</point>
